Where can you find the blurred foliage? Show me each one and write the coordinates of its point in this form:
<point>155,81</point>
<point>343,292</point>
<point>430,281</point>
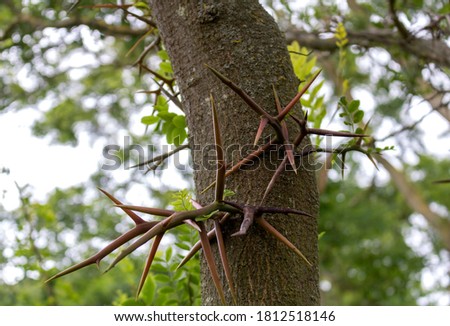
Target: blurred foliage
<point>83,73</point>
<point>375,266</point>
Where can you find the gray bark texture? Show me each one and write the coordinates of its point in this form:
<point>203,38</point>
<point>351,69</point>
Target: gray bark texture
<point>240,39</point>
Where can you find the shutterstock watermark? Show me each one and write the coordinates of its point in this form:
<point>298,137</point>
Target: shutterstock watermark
<point>149,156</point>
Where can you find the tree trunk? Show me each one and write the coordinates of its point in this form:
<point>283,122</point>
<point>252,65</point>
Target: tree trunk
<point>241,40</point>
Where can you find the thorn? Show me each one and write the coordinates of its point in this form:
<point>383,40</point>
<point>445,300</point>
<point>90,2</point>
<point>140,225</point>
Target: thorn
<point>297,97</point>
<point>269,228</point>
<point>148,263</point>
<point>224,259</point>
<point>274,178</point>
<point>221,167</point>
<point>148,210</point>
<point>210,261</point>
<point>197,246</point>
<point>196,204</point>
<point>136,219</point>
<point>247,99</point>
<point>262,125</point>
<point>192,224</point>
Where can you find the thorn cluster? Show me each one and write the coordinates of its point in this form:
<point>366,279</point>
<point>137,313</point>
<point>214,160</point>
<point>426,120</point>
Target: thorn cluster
<point>219,211</point>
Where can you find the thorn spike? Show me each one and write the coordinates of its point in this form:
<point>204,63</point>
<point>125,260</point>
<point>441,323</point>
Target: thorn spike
<point>269,228</point>
<point>210,261</point>
<point>149,262</point>
<point>221,167</point>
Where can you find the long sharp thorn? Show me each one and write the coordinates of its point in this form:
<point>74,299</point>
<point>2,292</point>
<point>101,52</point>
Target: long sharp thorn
<point>170,222</point>
<point>149,262</point>
<point>221,167</point>
<point>198,245</point>
<point>325,132</point>
<point>245,160</point>
<point>192,224</point>
<point>136,219</point>
<point>262,125</point>
<point>72,269</point>
<point>139,242</point>
<point>372,160</point>
<point>148,210</point>
<point>95,259</point>
<point>290,156</point>
<point>192,252</point>
<point>269,228</point>
<point>284,130</point>
<point>210,261</point>
<point>196,204</point>
<point>278,210</point>
<point>224,259</point>
<point>297,97</point>
<point>247,99</point>
<point>274,178</point>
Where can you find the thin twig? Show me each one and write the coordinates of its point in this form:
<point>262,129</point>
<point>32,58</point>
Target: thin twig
<point>162,157</point>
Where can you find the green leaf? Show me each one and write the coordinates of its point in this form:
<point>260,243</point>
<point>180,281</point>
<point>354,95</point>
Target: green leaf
<point>179,121</point>
<point>163,55</point>
<point>167,116</point>
<point>133,302</point>
<point>161,104</point>
<point>354,105</point>
<point>359,115</point>
<point>166,290</point>
<point>149,120</point>
<point>166,67</point>
<point>177,136</point>
<point>148,292</point>
<point>228,193</point>
<point>343,101</point>
<point>168,254</point>
<point>141,5</point>
<point>182,245</point>
<point>359,131</point>
<point>162,278</point>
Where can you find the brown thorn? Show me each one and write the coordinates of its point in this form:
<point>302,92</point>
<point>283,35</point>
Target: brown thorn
<point>269,228</point>
<point>297,97</point>
<point>149,261</point>
<point>192,224</point>
<point>221,167</point>
<point>274,178</point>
<point>325,132</point>
<point>245,160</point>
<point>148,210</point>
<point>196,247</point>
<point>247,99</point>
<point>224,258</point>
<point>210,261</point>
<point>262,125</point>
<point>284,130</point>
<point>170,222</point>
<point>95,259</point>
<point>136,219</point>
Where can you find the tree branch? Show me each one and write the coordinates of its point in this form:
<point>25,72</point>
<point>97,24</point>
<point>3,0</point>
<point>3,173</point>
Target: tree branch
<point>430,50</point>
<point>100,25</point>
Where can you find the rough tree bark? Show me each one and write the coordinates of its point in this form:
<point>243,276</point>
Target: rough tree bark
<point>241,40</point>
